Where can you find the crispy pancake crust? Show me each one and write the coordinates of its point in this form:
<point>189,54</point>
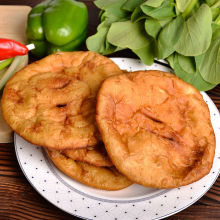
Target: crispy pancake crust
<point>51,102</point>
<point>97,177</point>
<point>96,156</point>
<point>156,128</point>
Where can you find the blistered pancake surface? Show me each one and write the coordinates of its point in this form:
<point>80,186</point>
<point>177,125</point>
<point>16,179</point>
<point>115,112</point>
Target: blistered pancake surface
<point>98,177</point>
<point>52,102</point>
<point>156,128</point>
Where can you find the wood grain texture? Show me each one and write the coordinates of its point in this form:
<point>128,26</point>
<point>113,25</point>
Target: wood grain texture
<point>18,200</point>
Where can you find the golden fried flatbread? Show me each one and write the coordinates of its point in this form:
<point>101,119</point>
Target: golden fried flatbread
<point>51,102</point>
<point>96,156</point>
<point>97,177</point>
<point>156,128</point>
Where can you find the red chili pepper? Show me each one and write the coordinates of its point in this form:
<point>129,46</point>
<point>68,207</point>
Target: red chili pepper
<point>11,48</point>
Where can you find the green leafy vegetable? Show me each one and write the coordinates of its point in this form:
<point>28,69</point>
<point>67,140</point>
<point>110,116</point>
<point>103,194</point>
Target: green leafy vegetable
<point>215,13</point>
<point>190,8</point>
<point>210,2</point>
<point>182,4</point>
<point>154,3</point>
<point>170,60</point>
<point>165,21</point>
<point>138,15</point>
<point>96,42</point>
<point>210,66</point>
<point>188,64</point>
<point>166,10</point>
<point>198,60</point>
<point>195,79</point>
<point>184,32</point>
<point>128,35</point>
<point>103,4</point>
<point>130,5</point>
<point>152,27</point>
<point>169,36</point>
<point>115,10</point>
<point>147,53</point>
<point>197,33</point>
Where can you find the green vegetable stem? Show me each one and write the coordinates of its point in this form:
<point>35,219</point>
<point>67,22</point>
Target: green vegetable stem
<point>186,33</point>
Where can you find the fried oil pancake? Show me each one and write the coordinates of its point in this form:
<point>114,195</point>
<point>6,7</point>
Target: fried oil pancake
<point>97,177</point>
<point>156,128</point>
<point>51,102</point>
<point>96,156</point>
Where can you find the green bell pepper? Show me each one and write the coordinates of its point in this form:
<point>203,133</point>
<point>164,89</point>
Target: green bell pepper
<point>57,25</point>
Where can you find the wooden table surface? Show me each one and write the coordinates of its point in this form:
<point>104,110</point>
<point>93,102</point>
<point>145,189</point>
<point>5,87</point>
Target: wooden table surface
<point>18,200</point>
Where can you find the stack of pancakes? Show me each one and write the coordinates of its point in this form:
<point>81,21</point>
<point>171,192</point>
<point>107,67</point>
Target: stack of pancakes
<point>155,128</point>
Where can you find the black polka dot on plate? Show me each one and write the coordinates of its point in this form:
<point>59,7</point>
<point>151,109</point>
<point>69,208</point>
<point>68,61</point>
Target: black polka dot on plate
<point>144,210</point>
<point>177,197</point>
<point>36,168</point>
<point>174,207</point>
<point>71,200</point>
<point>75,210</point>
<point>41,160</point>
<point>31,155</point>
<point>125,212</point>
<point>68,191</point>
<point>161,205</point>
<point>191,197</point>
<point>156,214</point>
<point>83,198</point>
<point>116,205</point>
<point>136,218</point>
<point>133,205</point>
<point>88,207</point>
<point>106,211</point>
<point>21,148</point>
<point>45,181</point>
<point>56,191</point>
<point>25,163</point>
<point>99,203</point>
<point>149,201</point>
<point>58,201</point>
<point>165,196</point>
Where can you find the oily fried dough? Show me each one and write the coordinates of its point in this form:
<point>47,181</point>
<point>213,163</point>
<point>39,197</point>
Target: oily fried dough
<point>96,156</point>
<point>98,177</point>
<point>52,102</point>
<point>156,128</point>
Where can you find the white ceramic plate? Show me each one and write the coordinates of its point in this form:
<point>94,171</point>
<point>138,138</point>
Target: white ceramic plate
<point>134,202</point>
